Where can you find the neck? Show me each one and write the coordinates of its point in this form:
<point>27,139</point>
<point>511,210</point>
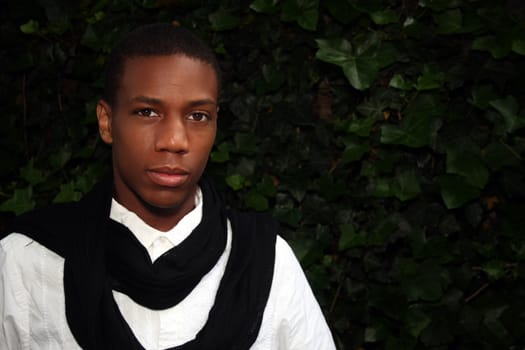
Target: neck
<point>164,219</point>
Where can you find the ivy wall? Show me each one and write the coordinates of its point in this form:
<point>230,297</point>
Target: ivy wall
<point>386,135</point>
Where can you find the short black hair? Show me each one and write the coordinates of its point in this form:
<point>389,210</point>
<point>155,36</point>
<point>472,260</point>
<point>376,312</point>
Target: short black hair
<point>160,39</point>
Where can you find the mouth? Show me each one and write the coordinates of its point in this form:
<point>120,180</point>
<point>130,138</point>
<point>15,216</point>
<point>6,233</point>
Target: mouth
<point>168,176</point>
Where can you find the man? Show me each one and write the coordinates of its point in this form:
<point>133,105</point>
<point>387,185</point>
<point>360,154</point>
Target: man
<point>151,258</point>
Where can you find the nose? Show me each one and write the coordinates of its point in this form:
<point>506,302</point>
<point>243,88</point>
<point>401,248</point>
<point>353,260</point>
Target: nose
<point>172,136</point>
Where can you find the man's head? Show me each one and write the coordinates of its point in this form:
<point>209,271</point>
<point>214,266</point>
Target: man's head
<point>160,117</point>
<point>160,39</point>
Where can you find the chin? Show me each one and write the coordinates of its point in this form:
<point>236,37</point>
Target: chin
<point>169,201</point>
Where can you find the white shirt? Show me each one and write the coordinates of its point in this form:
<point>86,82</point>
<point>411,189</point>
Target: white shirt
<point>32,306</point>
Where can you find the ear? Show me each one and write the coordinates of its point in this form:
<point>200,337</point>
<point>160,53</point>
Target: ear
<point>104,117</point>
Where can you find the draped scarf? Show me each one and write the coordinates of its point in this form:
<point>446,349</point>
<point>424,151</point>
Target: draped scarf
<point>101,255</point>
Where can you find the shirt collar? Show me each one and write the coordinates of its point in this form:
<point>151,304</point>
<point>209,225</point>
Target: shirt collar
<point>146,234</point>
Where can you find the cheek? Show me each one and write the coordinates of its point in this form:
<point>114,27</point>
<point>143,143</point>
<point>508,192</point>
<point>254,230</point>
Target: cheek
<point>130,145</point>
<point>207,142</point>
<point>202,146</point>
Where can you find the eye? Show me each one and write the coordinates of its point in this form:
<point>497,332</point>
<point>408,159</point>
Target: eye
<point>199,116</point>
<point>146,112</point>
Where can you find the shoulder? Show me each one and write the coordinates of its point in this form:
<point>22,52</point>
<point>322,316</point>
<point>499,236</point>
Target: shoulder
<point>30,292</point>
<point>14,242</point>
<point>298,320</point>
<point>20,255</point>
<point>285,254</point>
<point>26,267</point>
<point>289,276</point>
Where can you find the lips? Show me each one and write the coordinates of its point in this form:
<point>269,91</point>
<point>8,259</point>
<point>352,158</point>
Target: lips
<point>168,176</point>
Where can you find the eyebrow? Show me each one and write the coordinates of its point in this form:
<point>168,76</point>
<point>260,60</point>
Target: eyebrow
<point>156,101</point>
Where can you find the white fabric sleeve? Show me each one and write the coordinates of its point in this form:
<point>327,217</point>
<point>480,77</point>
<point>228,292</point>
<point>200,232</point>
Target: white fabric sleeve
<point>32,307</point>
<point>13,306</point>
<point>298,317</point>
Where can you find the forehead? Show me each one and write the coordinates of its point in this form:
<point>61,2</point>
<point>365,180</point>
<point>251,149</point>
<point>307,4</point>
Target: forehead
<point>169,77</point>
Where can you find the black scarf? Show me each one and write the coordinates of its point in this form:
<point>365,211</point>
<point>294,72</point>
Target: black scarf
<point>101,255</point>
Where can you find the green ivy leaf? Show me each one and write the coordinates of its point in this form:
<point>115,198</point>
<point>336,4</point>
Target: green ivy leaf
<point>449,22</point>
<point>331,189</point>
<point>96,17</point>
<point>354,151</point>
<point>273,79</point>
<point>341,10</point>
<point>430,80</point>
<point>32,175</point>
<point>302,248</point>
<point>406,185</point>
<point>350,239</point>
<point>346,236</point>
<point>223,19</point>
<point>60,158</point>
<point>492,321</point>
<point>304,12</point>
<point>221,154</point>
<point>266,187</point>
<point>439,5</point>
<point>265,6</point>
<point>396,343</point>
<point>456,191</point>
<point>398,82</point>
<point>149,4</point>
<point>67,193</point>
<point>482,95</point>
<point>89,177</point>
<point>419,126</point>
<point>471,22</point>
<point>384,17</point>
<point>245,143</point>
<point>375,333</point>
<point>427,82</point>
<point>361,126</point>
<point>335,51</point>
<point>386,160</point>
<point>497,47</point>
<point>245,166</point>
<point>508,108</point>
<point>518,46</point>
<point>256,201</point>
<point>21,201</point>
<point>383,53</point>
<point>361,64</point>
<point>373,108</point>
<point>416,321</point>
<point>495,270</point>
<point>382,188</point>
<point>497,155</point>
<point>467,164</point>
<point>413,132</point>
<point>291,216</point>
<point>235,181</point>
<point>91,39</point>
<point>30,27</point>
<point>367,6</point>
<point>422,282</point>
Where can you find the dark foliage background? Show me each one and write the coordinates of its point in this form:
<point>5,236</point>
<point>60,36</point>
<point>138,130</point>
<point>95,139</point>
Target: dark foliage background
<point>386,135</point>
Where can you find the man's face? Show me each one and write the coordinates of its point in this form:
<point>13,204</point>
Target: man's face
<point>161,128</point>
